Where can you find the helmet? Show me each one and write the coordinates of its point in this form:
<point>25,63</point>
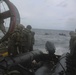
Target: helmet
<point>72,33</point>
<point>20,27</point>
<point>50,47</point>
<point>29,27</point>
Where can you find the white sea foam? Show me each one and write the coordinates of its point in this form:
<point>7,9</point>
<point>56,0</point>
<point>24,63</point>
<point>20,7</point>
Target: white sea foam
<point>61,42</point>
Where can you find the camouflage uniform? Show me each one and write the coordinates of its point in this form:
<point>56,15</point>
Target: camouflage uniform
<point>32,40</point>
<point>32,37</point>
<point>19,40</point>
<point>72,39</point>
<point>72,43</point>
<point>25,40</point>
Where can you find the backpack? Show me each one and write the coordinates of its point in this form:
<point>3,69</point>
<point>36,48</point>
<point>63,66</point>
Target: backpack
<point>16,35</point>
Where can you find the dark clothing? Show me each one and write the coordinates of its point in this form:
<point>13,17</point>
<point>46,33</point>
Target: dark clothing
<point>48,58</point>
<point>12,48</point>
<point>19,42</point>
<point>71,43</point>
<point>32,40</point>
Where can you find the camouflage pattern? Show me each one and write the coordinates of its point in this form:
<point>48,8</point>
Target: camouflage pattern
<point>25,40</point>
<point>32,37</point>
<point>20,41</point>
<point>13,43</point>
<point>19,27</point>
<point>72,39</point>
<point>32,40</point>
<point>2,27</point>
<point>72,44</point>
<point>12,48</point>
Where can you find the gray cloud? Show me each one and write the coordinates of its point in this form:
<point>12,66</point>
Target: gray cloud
<point>71,23</point>
<point>53,14</point>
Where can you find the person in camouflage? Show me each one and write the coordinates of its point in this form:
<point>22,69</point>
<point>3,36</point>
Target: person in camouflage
<point>72,42</point>
<point>19,40</point>
<point>25,40</point>
<point>72,39</point>
<point>32,37</point>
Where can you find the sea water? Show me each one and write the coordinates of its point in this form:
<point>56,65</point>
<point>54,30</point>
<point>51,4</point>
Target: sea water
<point>60,41</point>
<point>60,38</point>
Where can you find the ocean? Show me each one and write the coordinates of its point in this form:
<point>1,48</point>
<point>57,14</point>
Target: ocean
<point>60,38</point>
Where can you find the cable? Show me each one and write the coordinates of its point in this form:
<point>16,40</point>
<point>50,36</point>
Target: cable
<point>62,67</point>
<point>61,64</point>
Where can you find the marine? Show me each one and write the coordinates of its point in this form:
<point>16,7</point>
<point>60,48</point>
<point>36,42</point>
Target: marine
<point>32,34</point>
<point>19,41</point>
<point>25,40</point>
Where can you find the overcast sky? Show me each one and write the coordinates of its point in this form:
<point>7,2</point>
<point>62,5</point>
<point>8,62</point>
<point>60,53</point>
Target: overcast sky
<point>47,14</point>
